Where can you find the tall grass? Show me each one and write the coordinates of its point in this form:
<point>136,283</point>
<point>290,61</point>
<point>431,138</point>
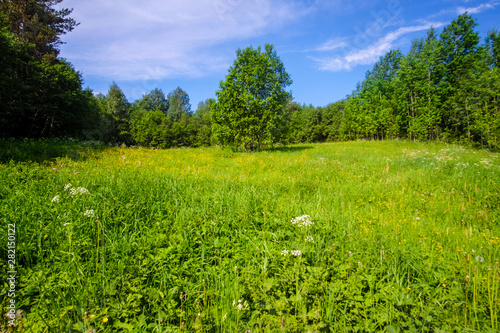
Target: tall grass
<point>405,237</point>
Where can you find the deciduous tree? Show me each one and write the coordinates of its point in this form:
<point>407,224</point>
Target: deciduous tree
<point>250,101</point>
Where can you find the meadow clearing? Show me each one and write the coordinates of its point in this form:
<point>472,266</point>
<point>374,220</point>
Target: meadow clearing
<point>342,237</point>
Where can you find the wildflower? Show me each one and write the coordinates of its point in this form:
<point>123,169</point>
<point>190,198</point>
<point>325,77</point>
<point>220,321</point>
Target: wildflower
<point>479,258</point>
<point>79,190</point>
<point>467,278</point>
<point>296,253</point>
<point>104,320</point>
<point>473,251</point>
<point>240,306</point>
<point>225,316</point>
<point>303,221</point>
<point>284,252</point>
<point>309,239</point>
<point>67,186</point>
<point>350,254</point>
<point>91,316</point>
<point>55,199</point>
<point>418,218</point>
<point>65,224</point>
<point>89,213</point>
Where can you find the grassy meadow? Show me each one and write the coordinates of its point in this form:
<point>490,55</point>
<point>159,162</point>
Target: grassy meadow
<point>399,236</point>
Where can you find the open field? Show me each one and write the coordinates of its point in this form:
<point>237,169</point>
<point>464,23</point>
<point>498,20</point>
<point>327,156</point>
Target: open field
<point>404,236</point>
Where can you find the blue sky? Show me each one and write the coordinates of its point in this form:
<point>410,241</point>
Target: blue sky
<point>326,45</point>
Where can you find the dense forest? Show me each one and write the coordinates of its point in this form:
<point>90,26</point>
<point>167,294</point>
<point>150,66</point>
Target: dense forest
<point>445,88</point>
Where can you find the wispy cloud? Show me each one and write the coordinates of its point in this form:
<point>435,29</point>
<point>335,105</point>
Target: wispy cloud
<point>370,54</point>
<point>130,40</point>
<point>332,44</point>
<point>458,10</point>
<point>477,9</point>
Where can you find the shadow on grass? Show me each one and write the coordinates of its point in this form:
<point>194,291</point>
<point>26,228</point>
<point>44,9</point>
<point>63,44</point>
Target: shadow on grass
<point>289,149</point>
<point>45,151</point>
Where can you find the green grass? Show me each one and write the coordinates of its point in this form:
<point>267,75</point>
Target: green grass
<point>177,237</point>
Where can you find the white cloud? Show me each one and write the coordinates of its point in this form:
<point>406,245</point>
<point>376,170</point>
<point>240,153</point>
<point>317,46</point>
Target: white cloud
<point>128,39</point>
<point>475,10</point>
<point>370,54</point>
<point>470,10</point>
<point>332,44</point>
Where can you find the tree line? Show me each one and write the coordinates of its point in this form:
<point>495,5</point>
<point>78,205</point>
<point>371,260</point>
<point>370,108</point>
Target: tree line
<point>446,88</point>
<point>41,95</point>
<point>155,120</point>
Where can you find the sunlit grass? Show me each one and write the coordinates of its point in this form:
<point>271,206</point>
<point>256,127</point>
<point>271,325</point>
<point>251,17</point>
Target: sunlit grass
<point>404,235</point>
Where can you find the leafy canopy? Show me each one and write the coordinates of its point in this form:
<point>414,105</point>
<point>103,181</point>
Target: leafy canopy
<point>37,22</point>
<point>250,102</point>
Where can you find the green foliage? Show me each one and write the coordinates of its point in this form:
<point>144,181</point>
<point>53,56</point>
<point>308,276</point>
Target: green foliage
<point>12,82</point>
<point>177,127</point>
<point>179,107</point>
<point>202,117</point>
<point>404,238</point>
<point>114,116</point>
<point>436,91</point>
<point>150,130</point>
<point>310,124</point>
<point>116,102</point>
<point>493,45</point>
<point>36,22</point>
<point>155,100</point>
<point>40,95</point>
<point>250,101</point>
<point>416,91</point>
<point>384,70</point>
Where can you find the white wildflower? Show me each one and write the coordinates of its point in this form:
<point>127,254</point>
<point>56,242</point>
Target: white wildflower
<point>83,190</point>
<point>479,258</point>
<point>309,239</point>
<point>67,186</point>
<point>303,221</point>
<point>55,199</point>
<point>225,316</point>
<point>240,306</point>
<point>285,253</point>
<point>79,190</point>
<point>65,224</point>
<point>296,253</point>
<point>89,213</point>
